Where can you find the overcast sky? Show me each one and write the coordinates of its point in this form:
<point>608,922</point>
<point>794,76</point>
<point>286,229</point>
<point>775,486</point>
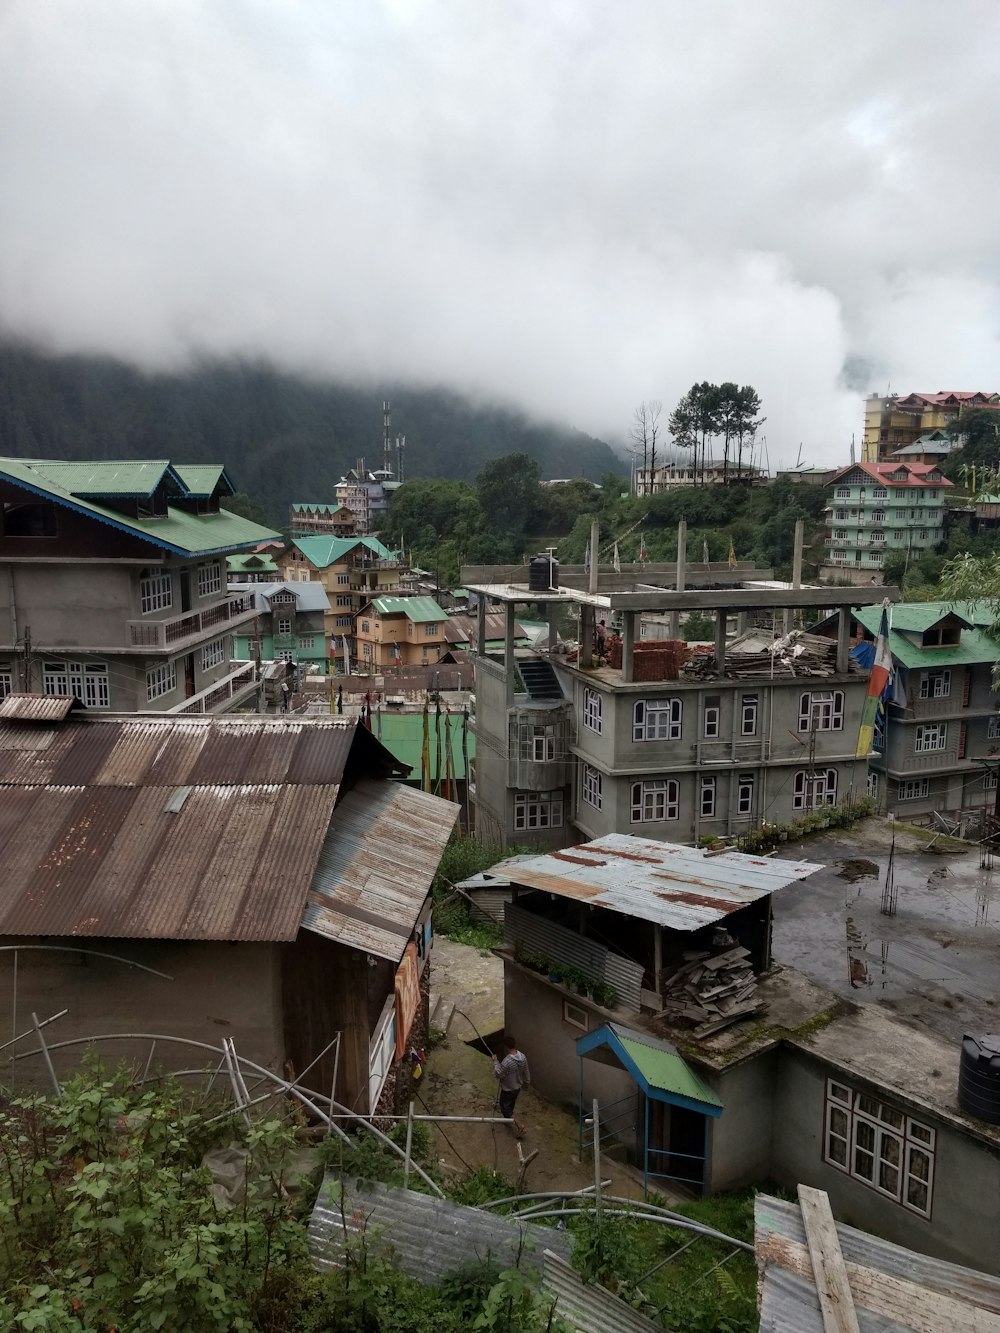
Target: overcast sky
<point>567,204</point>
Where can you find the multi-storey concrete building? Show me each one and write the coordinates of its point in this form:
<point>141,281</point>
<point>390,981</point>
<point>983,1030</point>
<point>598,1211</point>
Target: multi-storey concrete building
<point>367,496</point>
<point>942,721</point>
<point>879,507</point>
<point>290,625</point>
<point>649,740</point>
<point>900,419</point>
<point>399,631</point>
<point>353,570</point>
<point>323,520</point>
<point>113,585</point>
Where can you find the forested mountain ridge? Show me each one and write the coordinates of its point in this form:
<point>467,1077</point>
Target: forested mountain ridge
<point>282,437</point>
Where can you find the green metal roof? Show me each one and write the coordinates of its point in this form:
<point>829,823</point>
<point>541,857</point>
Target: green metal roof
<point>403,734</point>
<point>325,551</point>
<point>201,479</point>
<point>417,609</point>
<point>974,646</point>
<point>177,531</point>
<point>319,508</point>
<point>251,560</point>
<point>664,1069</point>
<point>123,478</point>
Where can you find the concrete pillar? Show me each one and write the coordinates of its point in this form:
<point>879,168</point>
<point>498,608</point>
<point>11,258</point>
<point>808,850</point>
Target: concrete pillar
<point>480,626</point>
<point>586,636</point>
<point>720,642</point>
<point>682,546</point>
<point>595,541</point>
<point>510,613</point>
<point>628,644</point>
<point>844,639</point>
<point>796,570</point>
<point>552,615</point>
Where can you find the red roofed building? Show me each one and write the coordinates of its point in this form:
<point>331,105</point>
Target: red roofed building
<point>900,419</point>
<point>879,507</point>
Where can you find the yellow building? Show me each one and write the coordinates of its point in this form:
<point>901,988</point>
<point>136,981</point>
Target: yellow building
<point>353,570</point>
<point>898,420</point>
<point>399,631</point>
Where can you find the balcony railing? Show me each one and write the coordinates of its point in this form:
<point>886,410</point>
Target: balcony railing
<point>216,696</point>
<point>162,635</point>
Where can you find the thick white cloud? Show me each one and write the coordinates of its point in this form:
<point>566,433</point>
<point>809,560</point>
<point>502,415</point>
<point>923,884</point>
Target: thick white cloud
<point>569,205</point>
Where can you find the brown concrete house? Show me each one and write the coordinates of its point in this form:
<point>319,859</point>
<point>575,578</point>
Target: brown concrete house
<point>211,877</point>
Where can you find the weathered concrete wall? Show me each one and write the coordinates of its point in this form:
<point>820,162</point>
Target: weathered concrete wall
<point>740,1139</point>
<point>965,1210</point>
<point>218,990</point>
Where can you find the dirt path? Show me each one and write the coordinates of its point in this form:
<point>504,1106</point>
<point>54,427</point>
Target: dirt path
<point>459,1081</point>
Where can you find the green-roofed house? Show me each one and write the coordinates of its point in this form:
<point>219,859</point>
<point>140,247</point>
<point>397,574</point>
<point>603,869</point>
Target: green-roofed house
<point>942,721</point>
<point>114,586</point>
<point>323,520</point>
<point>352,570</point>
<point>400,631</point>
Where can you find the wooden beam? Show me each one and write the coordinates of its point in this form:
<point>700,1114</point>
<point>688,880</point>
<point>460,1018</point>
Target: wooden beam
<point>829,1271</point>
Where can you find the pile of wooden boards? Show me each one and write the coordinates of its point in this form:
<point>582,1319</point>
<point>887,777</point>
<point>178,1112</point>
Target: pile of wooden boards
<point>757,654</point>
<point>711,990</point>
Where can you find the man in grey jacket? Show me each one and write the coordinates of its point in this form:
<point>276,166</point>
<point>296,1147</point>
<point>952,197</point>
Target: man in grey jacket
<point>513,1074</point>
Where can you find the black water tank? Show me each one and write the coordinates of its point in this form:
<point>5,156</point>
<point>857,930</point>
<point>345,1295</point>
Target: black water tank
<point>543,573</point>
<point>979,1078</point>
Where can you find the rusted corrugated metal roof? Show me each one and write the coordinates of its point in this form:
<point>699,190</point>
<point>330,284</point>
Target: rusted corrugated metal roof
<point>588,1306</point>
<point>675,886</point>
<point>37,707</point>
<point>894,1289</point>
<point>376,866</point>
<point>179,828</point>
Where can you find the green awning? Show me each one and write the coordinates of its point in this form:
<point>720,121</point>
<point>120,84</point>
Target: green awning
<point>655,1065</point>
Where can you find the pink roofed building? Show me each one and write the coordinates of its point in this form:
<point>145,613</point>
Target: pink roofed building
<point>879,507</point>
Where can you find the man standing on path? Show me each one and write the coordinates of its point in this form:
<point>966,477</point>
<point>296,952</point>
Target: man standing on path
<point>513,1074</point>
<point>284,696</point>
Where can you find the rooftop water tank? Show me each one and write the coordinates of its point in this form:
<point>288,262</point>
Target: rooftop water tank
<point>979,1078</point>
<point>543,573</point>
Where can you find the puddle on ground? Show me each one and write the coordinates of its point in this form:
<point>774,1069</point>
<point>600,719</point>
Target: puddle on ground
<point>854,869</point>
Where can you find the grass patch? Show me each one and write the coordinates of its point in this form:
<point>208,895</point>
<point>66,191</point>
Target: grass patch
<point>465,855</point>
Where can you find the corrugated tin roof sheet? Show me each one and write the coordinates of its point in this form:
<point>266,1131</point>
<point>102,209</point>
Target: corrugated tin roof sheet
<point>974,646</point>
<point>376,866</point>
<point>895,1290</point>
<point>588,1306</point>
<point>421,610</point>
<point>679,887</point>
<point>325,551</point>
<point>662,1067</point>
<point>431,1237</point>
<point>176,828</point>
<point>37,707</point>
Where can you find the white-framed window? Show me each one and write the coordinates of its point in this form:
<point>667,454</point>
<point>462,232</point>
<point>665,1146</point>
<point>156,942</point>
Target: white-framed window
<point>574,1015</point>
<point>713,716</point>
<point>286,656</point>
<point>744,794</point>
<point>843,492</point>
<point>344,599</point>
<point>913,789</point>
<point>366,627</point>
<point>655,800</point>
<point>993,730</point>
<point>283,625</point>
<point>209,578</point>
<point>657,720</point>
<point>931,736</point>
<point>748,715</point>
<point>990,780</point>
<point>880,493</point>
<point>160,680</point>
<point>432,629</point>
<point>593,710</point>
<point>935,684</point>
<point>821,710</point>
<point>155,590</point>
<point>542,743</point>
<point>708,798</point>
<point>86,681</point>
<point>307,641</point>
<point>841,515</point>
<point>880,1145</point>
<point>213,654</point>
<point>871,785</point>
<point>282,598</point>
<point>591,787</point>
<point>6,682</point>
<point>343,622</point>
<point>538,809</point>
<point>344,580</point>
<point>812,790</point>
<point>878,515</point>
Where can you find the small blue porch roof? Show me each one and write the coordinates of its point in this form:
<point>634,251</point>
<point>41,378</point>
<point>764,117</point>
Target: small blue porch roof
<point>655,1065</point>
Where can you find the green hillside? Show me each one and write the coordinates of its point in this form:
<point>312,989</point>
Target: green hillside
<point>283,437</point>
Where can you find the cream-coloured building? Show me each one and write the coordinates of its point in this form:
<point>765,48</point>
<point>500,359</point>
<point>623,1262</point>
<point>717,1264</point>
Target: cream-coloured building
<point>399,631</point>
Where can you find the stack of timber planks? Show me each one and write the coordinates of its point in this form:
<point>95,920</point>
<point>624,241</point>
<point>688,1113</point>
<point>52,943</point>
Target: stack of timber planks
<point>711,990</point>
<point>755,654</point>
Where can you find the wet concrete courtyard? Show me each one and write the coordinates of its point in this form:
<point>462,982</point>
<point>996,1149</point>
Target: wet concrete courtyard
<point>934,960</point>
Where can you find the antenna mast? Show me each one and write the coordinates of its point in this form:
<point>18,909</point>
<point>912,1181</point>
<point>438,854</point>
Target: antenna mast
<point>386,444</point>
<point>400,446</point>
